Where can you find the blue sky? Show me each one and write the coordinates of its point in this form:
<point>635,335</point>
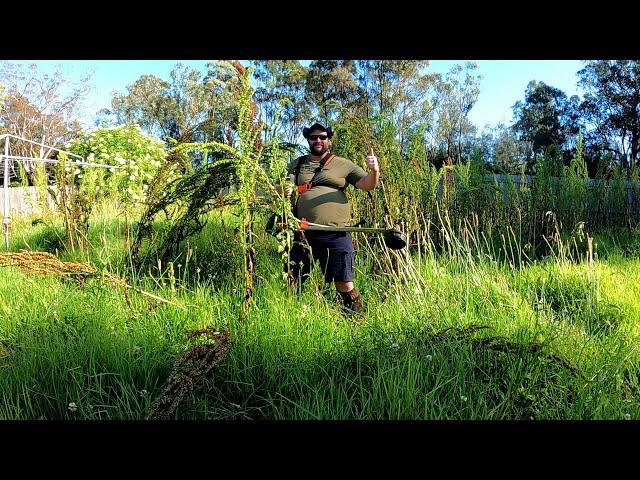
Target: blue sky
<point>504,81</point>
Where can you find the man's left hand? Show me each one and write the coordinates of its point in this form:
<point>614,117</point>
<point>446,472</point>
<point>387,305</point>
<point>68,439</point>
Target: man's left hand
<point>372,162</point>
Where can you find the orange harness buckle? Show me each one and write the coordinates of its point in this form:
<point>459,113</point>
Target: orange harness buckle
<point>304,187</point>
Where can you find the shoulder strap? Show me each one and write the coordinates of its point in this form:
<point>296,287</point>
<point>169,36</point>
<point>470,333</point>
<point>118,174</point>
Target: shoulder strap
<point>327,160</point>
<point>299,162</point>
<point>323,163</point>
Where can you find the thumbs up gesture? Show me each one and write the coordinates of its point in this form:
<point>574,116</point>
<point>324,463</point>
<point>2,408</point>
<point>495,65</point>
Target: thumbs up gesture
<point>372,161</point>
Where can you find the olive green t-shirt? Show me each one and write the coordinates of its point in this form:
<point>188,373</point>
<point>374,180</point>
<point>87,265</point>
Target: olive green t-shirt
<point>323,203</point>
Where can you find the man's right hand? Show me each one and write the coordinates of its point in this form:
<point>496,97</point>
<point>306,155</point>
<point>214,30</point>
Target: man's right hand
<point>290,185</point>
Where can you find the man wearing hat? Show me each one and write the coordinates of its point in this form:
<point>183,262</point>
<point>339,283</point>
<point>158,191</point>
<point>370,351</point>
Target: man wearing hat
<point>321,179</point>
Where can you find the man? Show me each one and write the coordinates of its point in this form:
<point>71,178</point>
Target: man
<point>321,179</point>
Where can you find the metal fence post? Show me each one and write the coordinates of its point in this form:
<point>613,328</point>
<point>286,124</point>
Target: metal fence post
<point>6,220</point>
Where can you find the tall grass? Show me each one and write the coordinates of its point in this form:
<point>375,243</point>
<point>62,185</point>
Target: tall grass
<point>510,302</point>
<point>415,195</point>
<point>454,331</point>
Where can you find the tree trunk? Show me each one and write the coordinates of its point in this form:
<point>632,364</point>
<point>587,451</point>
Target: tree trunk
<point>634,148</point>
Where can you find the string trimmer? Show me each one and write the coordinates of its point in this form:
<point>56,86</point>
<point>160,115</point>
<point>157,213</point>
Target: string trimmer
<point>394,239</point>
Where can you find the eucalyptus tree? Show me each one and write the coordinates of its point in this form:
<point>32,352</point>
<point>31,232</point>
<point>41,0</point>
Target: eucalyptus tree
<point>411,99</point>
<point>508,153</point>
<point>40,107</point>
<point>611,108</point>
<point>280,93</point>
<point>186,108</point>
<point>331,86</point>
<point>393,87</point>
<point>223,88</point>
<point>455,96</point>
<point>399,91</point>
<point>191,107</point>
<point>547,118</point>
<point>145,103</point>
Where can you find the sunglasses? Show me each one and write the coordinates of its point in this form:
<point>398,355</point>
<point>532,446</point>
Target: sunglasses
<point>318,137</point>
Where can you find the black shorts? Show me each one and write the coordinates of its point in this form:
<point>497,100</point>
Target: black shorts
<point>332,250</point>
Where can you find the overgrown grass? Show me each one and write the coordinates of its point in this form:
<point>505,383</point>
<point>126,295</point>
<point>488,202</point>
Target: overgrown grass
<point>460,334</point>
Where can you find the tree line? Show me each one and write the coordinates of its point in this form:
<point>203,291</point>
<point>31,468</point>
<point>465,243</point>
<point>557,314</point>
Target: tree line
<point>427,113</point>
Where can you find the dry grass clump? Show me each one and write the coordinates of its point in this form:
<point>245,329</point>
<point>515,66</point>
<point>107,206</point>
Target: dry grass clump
<point>210,347</point>
<point>44,263</point>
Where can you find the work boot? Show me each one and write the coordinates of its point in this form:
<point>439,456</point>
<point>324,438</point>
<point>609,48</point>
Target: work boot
<point>352,301</point>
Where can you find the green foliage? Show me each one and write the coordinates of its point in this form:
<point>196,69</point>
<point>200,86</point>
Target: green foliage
<point>572,190</point>
<point>466,338</point>
<point>73,203</point>
<point>610,106</point>
<point>22,175</point>
<point>41,183</point>
<point>189,198</point>
<point>136,156</point>
<point>618,201</point>
<point>281,96</point>
<point>509,154</point>
<point>545,118</point>
<point>473,192</point>
<point>184,201</point>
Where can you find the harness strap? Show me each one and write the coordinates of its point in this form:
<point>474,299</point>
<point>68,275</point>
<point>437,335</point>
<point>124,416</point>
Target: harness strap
<point>323,163</point>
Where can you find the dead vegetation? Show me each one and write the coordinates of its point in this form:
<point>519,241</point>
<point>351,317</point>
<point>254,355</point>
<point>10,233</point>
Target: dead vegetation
<point>209,348</point>
<point>44,263</point>
<point>500,344</point>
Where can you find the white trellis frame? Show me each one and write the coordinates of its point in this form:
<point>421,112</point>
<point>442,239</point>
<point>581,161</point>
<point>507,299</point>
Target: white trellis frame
<point>6,159</point>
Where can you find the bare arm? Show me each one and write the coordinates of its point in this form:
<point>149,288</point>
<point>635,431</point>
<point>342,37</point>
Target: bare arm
<point>371,180</point>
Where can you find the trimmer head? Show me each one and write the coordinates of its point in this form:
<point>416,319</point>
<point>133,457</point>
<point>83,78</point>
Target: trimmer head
<point>394,239</point>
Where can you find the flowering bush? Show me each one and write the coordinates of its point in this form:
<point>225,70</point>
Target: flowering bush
<point>136,156</point>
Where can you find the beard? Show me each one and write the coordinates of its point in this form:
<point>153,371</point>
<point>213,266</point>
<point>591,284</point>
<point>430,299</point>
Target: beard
<point>318,149</point>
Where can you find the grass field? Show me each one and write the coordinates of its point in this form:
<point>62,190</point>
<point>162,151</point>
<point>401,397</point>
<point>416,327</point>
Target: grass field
<point>450,335</point>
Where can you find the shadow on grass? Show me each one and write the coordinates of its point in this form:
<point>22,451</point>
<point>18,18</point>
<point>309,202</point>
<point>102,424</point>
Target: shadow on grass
<point>447,375</point>
<point>575,298</point>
